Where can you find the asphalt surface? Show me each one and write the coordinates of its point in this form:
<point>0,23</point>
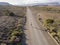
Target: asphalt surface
<point>34,34</point>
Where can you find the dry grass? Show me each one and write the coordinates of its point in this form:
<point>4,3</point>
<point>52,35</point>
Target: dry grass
<point>49,12</point>
<point>11,22</point>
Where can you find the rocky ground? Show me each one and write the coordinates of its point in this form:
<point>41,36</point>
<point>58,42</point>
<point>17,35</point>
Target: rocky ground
<point>11,24</point>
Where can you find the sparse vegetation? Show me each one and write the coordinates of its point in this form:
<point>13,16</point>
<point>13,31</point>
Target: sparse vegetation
<point>12,22</point>
<point>49,21</point>
<point>50,16</point>
<point>54,30</point>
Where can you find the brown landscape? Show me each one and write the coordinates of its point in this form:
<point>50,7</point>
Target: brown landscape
<point>49,17</point>
<point>12,21</point>
<point>30,25</point>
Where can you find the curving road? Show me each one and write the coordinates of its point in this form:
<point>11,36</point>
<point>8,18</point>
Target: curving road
<point>34,33</point>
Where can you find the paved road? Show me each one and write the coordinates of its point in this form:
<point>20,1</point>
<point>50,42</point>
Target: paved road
<point>34,33</point>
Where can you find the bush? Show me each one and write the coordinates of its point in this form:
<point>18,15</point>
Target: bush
<point>12,39</point>
<point>58,33</point>
<point>7,12</point>
<point>49,21</point>
<point>11,14</point>
<point>15,33</point>
<point>52,28</point>
<point>53,34</point>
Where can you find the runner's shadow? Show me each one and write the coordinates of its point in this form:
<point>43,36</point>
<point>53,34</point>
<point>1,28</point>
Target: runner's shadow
<point>24,39</point>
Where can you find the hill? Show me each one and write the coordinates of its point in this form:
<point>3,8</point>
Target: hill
<point>4,3</point>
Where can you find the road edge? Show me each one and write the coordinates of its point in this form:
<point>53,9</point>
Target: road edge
<point>53,38</point>
<point>50,34</point>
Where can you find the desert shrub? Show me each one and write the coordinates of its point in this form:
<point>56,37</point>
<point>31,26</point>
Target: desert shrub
<point>53,34</point>
<point>11,14</point>
<point>6,12</point>
<point>49,21</point>
<point>58,33</point>
<point>12,39</point>
<point>40,19</point>
<point>52,28</point>
<point>15,33</point>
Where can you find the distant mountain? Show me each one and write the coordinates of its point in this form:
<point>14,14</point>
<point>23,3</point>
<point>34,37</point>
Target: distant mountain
<point>46,4</point>
<point>4,3</point>
<point>43,4</point>
<point>53,3</point>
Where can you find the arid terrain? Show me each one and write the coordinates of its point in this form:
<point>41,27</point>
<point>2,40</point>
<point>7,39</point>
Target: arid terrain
<point>35,32</point>
<point>12,21</point>
<point>32,25</point>
<point>49,17</point>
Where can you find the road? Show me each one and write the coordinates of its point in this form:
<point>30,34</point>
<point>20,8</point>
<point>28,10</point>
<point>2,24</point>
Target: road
<point>34,34</point>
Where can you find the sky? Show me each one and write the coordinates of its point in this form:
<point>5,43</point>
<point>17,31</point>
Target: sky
<point>19,2</point>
